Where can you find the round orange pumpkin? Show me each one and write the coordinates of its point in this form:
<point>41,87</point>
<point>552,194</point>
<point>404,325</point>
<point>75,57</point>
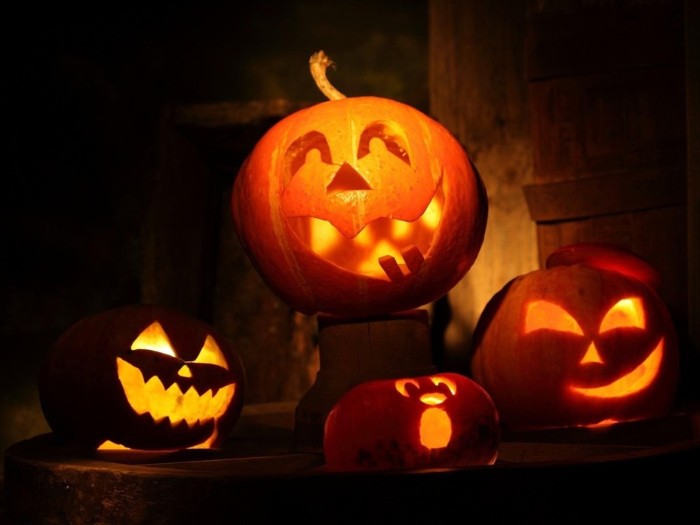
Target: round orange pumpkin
<point>586,341</point>
<point>441,420</point>
<point>359,206</point>
<point>142,377</point>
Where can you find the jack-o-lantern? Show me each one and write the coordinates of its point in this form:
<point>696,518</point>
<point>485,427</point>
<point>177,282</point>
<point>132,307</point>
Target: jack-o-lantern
<point>586,341</point>
<point>142,377</point>
<point>359,206</point>
<point>441,420</point>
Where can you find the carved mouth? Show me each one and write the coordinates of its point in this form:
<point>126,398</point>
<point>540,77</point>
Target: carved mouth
<point>172,404</point>
<point>386,248</point>
<point>636,380</point>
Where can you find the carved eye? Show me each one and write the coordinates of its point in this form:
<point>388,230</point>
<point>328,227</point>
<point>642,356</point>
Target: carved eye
<point>153,338</point>
<point>301,148</point>
<point>543,315</point>
<point>626,313</point>
<point>390,134</point>
<point>441,380</point>
<point>211,354</point>
<point>402,386</point>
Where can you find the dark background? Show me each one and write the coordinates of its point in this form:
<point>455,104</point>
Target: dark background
<point>86,90</point>
<point>100,204</point>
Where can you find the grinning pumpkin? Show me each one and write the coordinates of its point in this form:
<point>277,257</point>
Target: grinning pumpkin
<point>442,420</point>
<point>359,206</point>
<point>586,341</point>
<point>142,377</point>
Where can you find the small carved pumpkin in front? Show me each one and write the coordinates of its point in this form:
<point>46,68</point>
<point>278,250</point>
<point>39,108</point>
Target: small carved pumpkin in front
<point>142,377</point>
<point>586,341</point>
<point>441,420</point>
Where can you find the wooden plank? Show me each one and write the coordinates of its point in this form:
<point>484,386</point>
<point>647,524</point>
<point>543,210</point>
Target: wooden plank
<point>606,194</point>
<point>580,36</point>
<point>583,126</point>
<point>478,90</point>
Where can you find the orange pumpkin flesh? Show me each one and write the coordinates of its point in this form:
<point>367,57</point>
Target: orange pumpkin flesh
<point>142,377</point>
<point>442,420</point>
<point>576,345</point>
<point>359,206</point>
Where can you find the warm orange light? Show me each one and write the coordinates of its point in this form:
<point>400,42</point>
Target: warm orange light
<point>625,313</point>
<point>638,379</point>
<point>592,355</point>
<point>211,354</point>
<point>544,315</point>
<point>400,386</point>
<point>153,398</point>
<point>384,237</point>
<point>442,380</point>
<point>435,428</point>
<point>359,237</point>
<point>153,338</point>
<point>432,398</point>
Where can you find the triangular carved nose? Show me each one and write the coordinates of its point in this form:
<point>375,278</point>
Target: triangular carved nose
<point>347,179</point>
<point>592,355</point>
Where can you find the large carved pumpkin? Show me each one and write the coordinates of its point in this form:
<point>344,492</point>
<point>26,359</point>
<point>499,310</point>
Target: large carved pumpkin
<point>359,206</point>
<point>142,377</point>
<point>441,420</point>
<point>585,341</point>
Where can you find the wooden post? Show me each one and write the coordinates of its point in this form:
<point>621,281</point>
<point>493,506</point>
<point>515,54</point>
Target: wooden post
<point>353,351</point>
<point>478,91</point>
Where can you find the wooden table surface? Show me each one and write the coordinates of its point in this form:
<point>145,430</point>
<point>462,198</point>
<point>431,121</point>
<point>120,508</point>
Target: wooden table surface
<point>561,476</point>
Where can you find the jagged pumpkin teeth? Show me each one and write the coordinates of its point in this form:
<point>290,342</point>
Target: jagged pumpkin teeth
<point>148,366</point>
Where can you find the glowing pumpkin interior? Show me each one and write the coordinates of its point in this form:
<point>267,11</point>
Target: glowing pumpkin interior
<point>626,314</point>
<point>177,402</point>
<point>363,206</point>
<point>435,423</point>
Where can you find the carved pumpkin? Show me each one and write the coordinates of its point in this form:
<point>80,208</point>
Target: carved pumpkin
<point>359,206</point>
<point>586,341</point>
<point>442,420</point>
<point>142,377</point>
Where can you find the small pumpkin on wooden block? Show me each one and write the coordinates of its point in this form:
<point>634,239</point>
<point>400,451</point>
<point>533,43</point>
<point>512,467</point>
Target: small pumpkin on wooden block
<point>586,341</point>
<point>142,377</point>
<point>441,420</point>
<point>359,206</point>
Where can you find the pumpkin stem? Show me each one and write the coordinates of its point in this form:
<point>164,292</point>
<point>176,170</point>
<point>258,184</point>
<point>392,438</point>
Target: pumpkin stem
<point>318,63</point>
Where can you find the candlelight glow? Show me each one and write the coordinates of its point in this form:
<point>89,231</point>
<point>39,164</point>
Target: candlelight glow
<point>544,315</point>
<point>383,237</point>
<point>435,428</point>
<point>153,338</point>
<point>625,313</point>
<point>638,379</point>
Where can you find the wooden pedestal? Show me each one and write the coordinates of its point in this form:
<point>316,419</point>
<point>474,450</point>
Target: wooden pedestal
<point>353,351</point>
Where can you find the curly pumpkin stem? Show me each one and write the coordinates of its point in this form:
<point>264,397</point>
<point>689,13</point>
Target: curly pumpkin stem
<point>318,63</point>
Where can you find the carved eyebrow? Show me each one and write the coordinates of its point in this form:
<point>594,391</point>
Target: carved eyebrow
<point>400,385</point>
<point>544,315</point>
<point>625,313</point>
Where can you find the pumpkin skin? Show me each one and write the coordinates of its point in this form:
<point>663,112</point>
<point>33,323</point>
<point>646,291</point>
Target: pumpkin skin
<point>385,425</point>
<point>578,343</point>
<point>96,390</point>
<point>360,206</point>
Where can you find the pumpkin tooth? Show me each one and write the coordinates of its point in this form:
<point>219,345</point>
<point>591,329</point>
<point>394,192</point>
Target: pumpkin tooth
<point>221,401</point>
<point>391,268</point>
<point>413,258</point>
